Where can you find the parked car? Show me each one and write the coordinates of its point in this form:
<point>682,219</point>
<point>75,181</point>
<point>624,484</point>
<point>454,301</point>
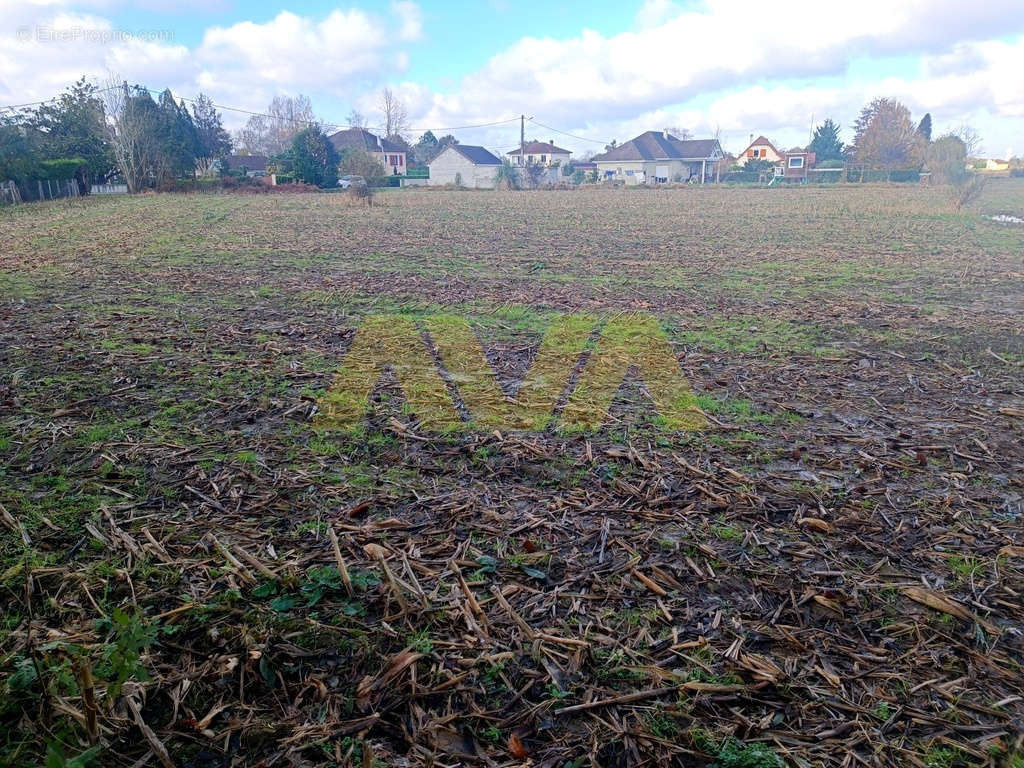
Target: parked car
<point>351,181</point>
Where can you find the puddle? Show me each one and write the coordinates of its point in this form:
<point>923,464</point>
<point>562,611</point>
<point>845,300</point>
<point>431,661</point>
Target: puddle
<point>1007,219</point>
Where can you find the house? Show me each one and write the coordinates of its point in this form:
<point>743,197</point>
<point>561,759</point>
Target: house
<point>539,153</point>
<point>389,154</point>
<point>997,165</point>
<point>657,157</point>
<point>253,165</point>
<point>466,165</point>
<point>760,149</point>
<point>795,164</point>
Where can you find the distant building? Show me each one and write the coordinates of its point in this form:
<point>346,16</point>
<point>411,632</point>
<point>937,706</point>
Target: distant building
<point>795,164</point>
<point>539,153</point>
<point>254,165</point>
<point>470,166</point>
<point>389,154</point>
<point>760,149</point>
<point>656,157</point>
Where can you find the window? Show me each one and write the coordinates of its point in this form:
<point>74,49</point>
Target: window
<point>796,162</point>
<point>543,158</point>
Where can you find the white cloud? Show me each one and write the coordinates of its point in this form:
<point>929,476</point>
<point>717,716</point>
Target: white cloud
<point>411,18</point>
<point>619,85</point>
<point>46,47</point>
<point>704,66</point>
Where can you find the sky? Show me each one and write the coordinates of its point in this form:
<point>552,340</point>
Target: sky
<point>585,72</point>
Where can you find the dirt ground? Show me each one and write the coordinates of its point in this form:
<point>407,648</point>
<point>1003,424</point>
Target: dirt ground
<point>831,574</point>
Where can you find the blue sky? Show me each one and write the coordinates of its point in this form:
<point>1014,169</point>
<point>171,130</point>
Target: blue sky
<point>596,70</point>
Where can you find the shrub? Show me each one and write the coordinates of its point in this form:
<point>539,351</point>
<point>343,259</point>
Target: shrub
<point>60,169</point>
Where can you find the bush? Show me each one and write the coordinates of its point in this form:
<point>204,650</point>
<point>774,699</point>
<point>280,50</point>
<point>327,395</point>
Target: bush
<point>741,177</point>
<point>60,169</point>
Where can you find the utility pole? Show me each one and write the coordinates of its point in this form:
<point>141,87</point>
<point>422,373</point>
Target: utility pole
<point>522,140</point>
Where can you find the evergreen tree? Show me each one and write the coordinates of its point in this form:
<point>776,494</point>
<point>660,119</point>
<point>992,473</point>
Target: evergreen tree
<point>314,158</point>
<point>924,128</point>
<point>178,140</point>
<point>214,141</point>
<point>826,144</point>
<point>426,148</point>
<point>73,126</point>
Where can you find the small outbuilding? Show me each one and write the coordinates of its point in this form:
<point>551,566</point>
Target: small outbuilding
<point>465,165</point>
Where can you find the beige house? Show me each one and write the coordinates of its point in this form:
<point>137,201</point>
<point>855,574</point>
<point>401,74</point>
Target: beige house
<point>465,165</point>
<point>539,153</point>
<point>760,149</point>
<point>389,154</point>
<point>657,157</point>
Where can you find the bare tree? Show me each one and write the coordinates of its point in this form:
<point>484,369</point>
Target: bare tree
<point>272,133</point>
<point>971,139</point>
<point>356,119</point>
<point>130,131</point>
<point>680,133</point>
<point>396,117</point>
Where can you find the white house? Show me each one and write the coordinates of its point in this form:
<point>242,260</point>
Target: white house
<point>539,153</point>
<point>470,166</point>
<point>389,154</point>
<point>655,157</point>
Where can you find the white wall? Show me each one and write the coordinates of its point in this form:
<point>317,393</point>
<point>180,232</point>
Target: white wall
<point>444,167</point>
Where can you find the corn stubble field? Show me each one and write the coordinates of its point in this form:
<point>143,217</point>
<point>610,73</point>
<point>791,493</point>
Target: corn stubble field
<point>831,574</point>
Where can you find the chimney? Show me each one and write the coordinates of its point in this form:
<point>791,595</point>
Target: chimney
<point>552,142</point>
<point>751,140</point>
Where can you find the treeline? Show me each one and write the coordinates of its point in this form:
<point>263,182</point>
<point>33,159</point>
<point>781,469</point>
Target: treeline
<point>886,139</point>
<point>92,135</point>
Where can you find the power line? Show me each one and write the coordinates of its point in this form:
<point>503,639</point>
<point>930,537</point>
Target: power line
<point>570,135</point>
<point>325,124</point>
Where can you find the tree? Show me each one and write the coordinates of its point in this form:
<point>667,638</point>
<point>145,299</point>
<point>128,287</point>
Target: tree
<point>924,128</point>
<point>271,133</point>
<point>426,149</point>
<point>826,144</point>
<point>757,165</point>
<point>74,126</point>
<point>356,119</point>
<point>885,137</point>
<point>396,117</point>
<point>610,147</point>
<point>179,144</point>
<point>683,134</point>
<point>132,131</point>
<point>359,162</point>
<point>214,141</point>
<point>314,158</point>
<point>19,150</point>
<point>970,137</point>
<point>507,176</point>
<point>947,159</point>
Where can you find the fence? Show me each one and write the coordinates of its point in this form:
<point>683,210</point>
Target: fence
<point>12,192</point>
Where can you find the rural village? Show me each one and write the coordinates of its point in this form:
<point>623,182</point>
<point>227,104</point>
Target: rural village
<point>576,400</point>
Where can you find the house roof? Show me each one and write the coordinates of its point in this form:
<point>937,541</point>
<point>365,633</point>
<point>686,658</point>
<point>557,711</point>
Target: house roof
<point>359,138</point>
<point>657,145</point>
<point>541,148</point>
<point>760,140</point>
<point>475,155</point>
<point>252,162</point>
